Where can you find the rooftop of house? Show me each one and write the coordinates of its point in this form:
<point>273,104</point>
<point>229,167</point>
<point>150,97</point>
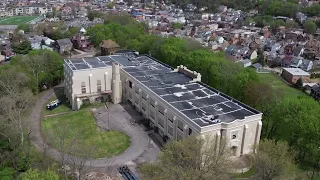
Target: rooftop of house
<point>296,71</point>
<point>202,104</point>
<point>63,42</point>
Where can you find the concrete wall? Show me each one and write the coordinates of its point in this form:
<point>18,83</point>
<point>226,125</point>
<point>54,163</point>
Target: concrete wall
<point>73,80</point>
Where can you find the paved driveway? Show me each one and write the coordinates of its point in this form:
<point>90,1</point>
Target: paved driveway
<point>119,120</point>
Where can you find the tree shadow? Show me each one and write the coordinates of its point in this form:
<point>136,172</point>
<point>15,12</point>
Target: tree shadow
<point>59,93</point>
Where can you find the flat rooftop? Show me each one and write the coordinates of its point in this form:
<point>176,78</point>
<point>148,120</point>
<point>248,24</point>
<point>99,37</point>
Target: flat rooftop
<point>296,71</point>
<point>200,103</point>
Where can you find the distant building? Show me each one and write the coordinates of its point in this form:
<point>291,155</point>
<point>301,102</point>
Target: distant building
<point>81,41</point>
<point>64,46</point>
<point>293,74</point>
<point>108,47</point>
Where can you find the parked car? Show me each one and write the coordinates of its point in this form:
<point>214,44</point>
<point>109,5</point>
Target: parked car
<point>53,104</point>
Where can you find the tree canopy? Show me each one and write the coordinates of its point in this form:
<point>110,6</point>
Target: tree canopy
<point>22,47</point>
<point>310,27</point>
<point>192,158</point>
<point>43,67</point>
<point>273,160</point>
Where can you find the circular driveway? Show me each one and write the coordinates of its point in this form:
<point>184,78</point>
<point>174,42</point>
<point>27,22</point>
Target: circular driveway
<point>119,120</point>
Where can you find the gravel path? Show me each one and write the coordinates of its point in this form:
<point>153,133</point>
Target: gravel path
<point>119,120</point>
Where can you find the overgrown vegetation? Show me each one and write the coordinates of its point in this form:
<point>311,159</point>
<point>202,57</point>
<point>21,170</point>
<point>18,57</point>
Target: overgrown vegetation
<point>19,82</point>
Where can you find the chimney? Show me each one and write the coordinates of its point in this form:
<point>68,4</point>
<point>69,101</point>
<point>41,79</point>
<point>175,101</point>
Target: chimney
<point>116,84</point>
<point>195,76</point>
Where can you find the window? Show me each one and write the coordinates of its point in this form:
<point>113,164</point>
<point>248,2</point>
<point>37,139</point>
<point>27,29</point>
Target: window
<point>161,122</point>
<point>152,102</point>
<point>137,90</point>
<point>83,87</point>
<point>190,131</point>
<point>98,85</point>
<point>161,110</point>
<point>130,84</point>
<point>170,130</point>
<point>180,125</point>
<point>170,119</point>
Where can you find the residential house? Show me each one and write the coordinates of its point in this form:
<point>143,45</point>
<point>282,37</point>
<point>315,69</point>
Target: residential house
<point>288,49</point>
<point>293,74</point>
<point>109,47</point>
<point>8,53</point>
<point>64,46</point>
<point>312,47</point>
<point>251,54</point>
<point>298,50</point>
<point>257,66</point>
<point>245,63</point>
<point>81,41</point>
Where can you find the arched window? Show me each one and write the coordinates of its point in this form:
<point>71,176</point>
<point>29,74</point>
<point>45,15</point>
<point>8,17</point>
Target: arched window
<point>83,87</point>
<point>98,85</point>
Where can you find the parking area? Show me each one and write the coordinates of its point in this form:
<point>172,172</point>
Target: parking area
<point>143,148</point>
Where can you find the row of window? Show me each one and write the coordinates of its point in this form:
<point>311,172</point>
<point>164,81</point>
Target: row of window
<point>161,111</point>
<point>84,88</point>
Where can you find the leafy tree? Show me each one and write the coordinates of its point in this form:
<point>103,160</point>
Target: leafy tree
<point>43,67</point>
<point>310,27</point>
<point>313,10</point>
<point>192,158</point>
<point>275,24</point>
<point>74,30</point>
<point>300,117</point>
<point>32,174</point>
<point>24,27</point>
<point>273,160</point>
<point>299,83</point>
<point>279,8</point>
<point>95,14</point>
<point>262,21</point>
<point>291,24</point>
<point>7,173</point>
<point>110,5</point>
<point>177,25</point>
<point>261,57</point>
<point>21,48</point>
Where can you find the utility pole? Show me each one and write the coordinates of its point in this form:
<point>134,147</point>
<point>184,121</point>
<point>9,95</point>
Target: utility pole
<point>108,120</point>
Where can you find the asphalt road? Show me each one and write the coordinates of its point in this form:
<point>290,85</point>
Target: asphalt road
<point>119,120</point>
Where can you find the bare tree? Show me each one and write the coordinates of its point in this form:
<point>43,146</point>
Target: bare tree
<point>80,156</point>
<point>192,158</point>
<point>58,136</point>
<point>273,160</point>
<point>14,108</point>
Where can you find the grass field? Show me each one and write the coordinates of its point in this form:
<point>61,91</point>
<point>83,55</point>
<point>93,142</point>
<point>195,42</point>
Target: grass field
<point>16,20</point>
<point>64,107</point>
<point>79,128</point>
<point>280,86</point>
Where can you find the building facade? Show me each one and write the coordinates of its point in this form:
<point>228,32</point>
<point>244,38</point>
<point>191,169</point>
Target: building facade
<point>293,74</point>
<point>174,102</point>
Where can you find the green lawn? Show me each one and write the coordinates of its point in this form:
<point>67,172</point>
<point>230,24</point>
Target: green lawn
<point>64,107</point>
<point>79,126</point>
<point>247,174</point>
<point>16,20</point>
<point>280,86</point>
